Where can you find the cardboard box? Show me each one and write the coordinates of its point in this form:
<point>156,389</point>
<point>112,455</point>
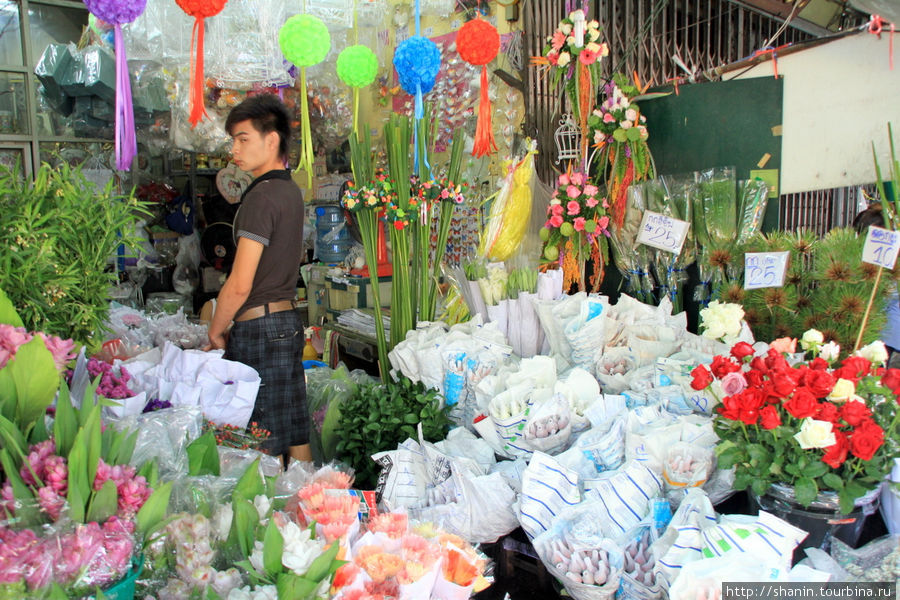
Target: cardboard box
<point>350,291</point>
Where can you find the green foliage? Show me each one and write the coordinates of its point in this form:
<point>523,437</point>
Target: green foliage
<point>381,416</point>
<point>57,234</point>
<point>827,287</point>
<point>203,455</point>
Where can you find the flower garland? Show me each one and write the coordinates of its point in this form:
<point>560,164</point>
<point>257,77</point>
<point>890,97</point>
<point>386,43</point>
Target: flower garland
<point>620,134</point>
<point>576,216</point>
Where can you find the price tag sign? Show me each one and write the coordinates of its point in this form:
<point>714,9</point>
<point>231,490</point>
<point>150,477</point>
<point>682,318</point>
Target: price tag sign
<point>764,269</point>
<point>881,247</point>
<point>662,232</point>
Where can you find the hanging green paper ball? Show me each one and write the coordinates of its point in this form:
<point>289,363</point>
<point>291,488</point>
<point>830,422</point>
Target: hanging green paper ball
<point>304,40</point>
<point>357,66</point>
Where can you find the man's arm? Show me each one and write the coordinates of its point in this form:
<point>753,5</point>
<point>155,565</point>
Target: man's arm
<point>236,289</point>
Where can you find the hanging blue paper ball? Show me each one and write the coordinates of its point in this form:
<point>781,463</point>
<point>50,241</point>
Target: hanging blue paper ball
<point>417,60</point>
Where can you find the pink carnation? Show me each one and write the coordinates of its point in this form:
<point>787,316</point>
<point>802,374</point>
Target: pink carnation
<point>556,220</point>
<point>572,191</point>
<point>603,223</point>
<point>608,118</point>
<point>556,209</point>
<point>592,202</point>
<point>563,179</point>
<point>590,190</point>
<point>573,208</point>
<point>577,178</point>
<point>579,223</point>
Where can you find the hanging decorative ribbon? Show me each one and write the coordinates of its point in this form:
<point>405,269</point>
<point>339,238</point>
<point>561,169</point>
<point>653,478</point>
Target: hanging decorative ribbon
<point>876,26</point>
<point>305,41</point>
<point>200,10</point>
<point>116,13</point>
<point>478,43</point>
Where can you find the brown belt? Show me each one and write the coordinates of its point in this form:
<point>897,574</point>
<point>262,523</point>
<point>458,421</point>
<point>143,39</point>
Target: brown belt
<point>266,309</point>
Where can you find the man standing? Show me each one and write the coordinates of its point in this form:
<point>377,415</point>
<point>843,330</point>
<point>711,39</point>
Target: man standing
<point>259,292</point>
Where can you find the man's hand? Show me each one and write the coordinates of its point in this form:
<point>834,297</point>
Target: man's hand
<point>216,342</point>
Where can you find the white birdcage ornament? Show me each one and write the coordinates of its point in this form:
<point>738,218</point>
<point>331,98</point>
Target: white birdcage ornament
<point>568,140</point>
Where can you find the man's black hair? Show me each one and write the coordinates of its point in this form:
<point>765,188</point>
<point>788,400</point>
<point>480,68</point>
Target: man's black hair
<point>267,113</point>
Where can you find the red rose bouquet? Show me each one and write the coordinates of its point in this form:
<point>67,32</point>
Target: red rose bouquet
<point>811,425</point>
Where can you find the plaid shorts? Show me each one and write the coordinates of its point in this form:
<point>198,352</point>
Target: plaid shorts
<point>273,345</point>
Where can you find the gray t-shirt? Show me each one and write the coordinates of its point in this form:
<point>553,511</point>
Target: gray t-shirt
<point>271,213</point>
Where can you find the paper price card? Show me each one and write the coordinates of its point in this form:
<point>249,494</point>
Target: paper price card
<point>764,269</point>
<point>662,232</point>
<point>881,247</point>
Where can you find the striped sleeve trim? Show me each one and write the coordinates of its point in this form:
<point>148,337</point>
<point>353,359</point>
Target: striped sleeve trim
<point>253,236</point>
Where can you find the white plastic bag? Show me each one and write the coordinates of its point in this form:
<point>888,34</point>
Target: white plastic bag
<point>549,425</point>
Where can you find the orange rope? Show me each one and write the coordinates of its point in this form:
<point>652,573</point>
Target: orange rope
<point>585,103</point>
<point>569,266</point>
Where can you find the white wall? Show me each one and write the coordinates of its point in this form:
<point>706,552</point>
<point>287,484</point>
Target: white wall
<point>838,99</point>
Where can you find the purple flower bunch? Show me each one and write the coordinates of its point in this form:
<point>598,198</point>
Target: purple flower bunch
<point>48,473</point>
<point>89,555</point>
<point>112,386</point>
<point>157,404</point>
<point>13,337</point>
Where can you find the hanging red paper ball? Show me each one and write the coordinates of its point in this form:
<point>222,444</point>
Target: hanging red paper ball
<point>201,9</point>
<point>478,42</point>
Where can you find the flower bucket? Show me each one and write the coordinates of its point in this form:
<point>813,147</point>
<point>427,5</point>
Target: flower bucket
<point>822,519</point>
<point>124,588</point>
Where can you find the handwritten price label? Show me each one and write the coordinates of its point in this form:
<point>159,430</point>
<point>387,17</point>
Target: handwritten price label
<point>881,247</point>
<point>662,232</point>
<point>764,269</point>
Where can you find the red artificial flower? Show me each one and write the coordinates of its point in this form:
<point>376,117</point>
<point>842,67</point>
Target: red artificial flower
<point>399,225</point>
<point>828,412</point>
<point>754,378</point>
<point>722,366</point>
<point>836,454</point>
<point>866,439</point>
<point>782,383</point>
<point>769,417</point>
<point>702,377</point>
<point>853,368</point>
<point>742,350</point>
<point>802,404</point>
<point>818,364</point>
<point>759,364</point>
<point>775,361</point>
<point>891,380</point>
<point>749,403</point>
<point>820,383</point>
<point>730,408</point>
<point>853,412</point>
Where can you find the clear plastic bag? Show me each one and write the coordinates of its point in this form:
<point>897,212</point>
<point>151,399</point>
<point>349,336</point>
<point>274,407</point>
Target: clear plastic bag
<point>163,436</point>
<point>257,60</point>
